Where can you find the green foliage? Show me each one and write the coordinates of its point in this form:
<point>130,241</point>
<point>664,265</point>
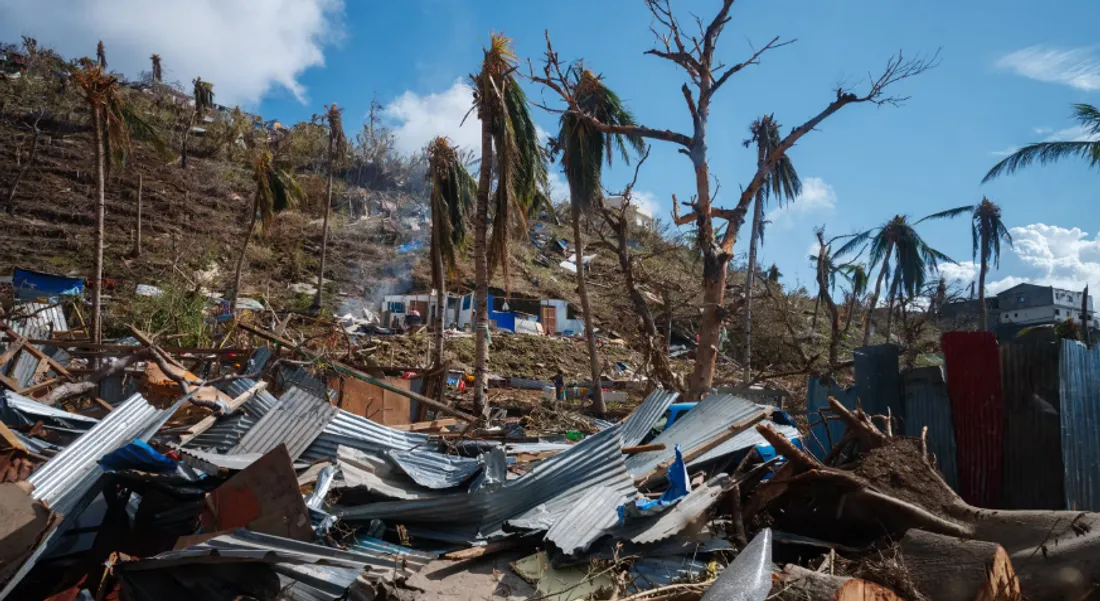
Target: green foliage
<point>276,189</point>
<point>176,310</point>
<point>987,232</point>
<point>1051,152</point>
<point>453,191</point>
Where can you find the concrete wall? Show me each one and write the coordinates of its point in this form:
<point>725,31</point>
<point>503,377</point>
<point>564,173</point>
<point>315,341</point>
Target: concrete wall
<point>561,317</point>
<point>1028,315</point>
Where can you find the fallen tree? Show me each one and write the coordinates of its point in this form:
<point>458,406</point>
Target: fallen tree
<point>893,487</point>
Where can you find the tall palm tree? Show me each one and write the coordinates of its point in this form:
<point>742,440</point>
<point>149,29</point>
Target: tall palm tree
<point>158,72</point>
<point>452,194</point>
<point>1051,152</point>
<point>276,190</point>
<point>203,98</point>
<point>508,134</point>
<point>859,278</point>
<point>101,55</point>
<point>111,133</point>
<point>782,183</point>
<point>901,251</point>
<point>583,150</point>
<point>337,149</point>
<point>987,232</point>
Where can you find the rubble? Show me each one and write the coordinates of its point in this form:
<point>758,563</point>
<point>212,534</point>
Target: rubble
<point>258,471</point>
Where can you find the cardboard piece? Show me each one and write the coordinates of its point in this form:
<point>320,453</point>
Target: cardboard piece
<point>373,402</point>
<point>263,497</point>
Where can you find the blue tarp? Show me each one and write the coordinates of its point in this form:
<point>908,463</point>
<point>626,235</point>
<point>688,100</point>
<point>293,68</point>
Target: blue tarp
<point>410,246</point>
<point>678,487</point>
<point>137,455</point>
<point>30,285</point>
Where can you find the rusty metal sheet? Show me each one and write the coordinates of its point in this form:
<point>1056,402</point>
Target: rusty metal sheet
<point>878,382</point>
<point>974,383</point>
<point>824,435</point>
<point>927,404</point>
<point>1079,387</point>
<point>1033,433</point>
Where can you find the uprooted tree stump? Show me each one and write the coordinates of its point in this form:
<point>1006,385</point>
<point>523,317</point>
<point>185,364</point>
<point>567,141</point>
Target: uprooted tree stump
<point>895,487</point>
<point>795,583</point>
<point>945,568</point>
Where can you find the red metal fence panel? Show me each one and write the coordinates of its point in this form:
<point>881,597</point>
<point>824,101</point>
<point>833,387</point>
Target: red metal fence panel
<point>974,383</point>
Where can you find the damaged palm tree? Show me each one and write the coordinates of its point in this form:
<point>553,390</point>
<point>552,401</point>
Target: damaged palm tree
<point>276,190</point>
<point>510,150</point>
<point>337,149</point>
<point>583,148</point>
<point>452,193</point>
<point>203,99</point>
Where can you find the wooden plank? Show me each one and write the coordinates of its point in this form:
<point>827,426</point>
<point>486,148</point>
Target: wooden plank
<point>699,451</point>
<point>12,439</point>
<point>103,403</point>
<point>644,448</point>
<point>355,373</point>
<point>147,341</point>
<point>207,422</point>
<point>10,383</point>
<point>91,346</point>
<point>438,424</point>
<point>40,386</point>
<point>12,350</point>
<point>37,352</point>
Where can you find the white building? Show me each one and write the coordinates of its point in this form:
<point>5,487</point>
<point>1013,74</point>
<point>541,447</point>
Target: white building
<point>641,217</point>
<point>1028,304</point>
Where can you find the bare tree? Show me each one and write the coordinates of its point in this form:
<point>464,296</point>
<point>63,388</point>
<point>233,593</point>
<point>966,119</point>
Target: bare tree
<point>695,54</point>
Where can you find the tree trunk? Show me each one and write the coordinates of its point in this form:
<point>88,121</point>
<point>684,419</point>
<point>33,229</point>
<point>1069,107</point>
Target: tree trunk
<point>186,135</point>
<point>890,313</point>
<point>324,231</point>
<point>983,312</point>
<point>440,303</point>
<point>481,272</point>
<point>851,310</point>
<point>874,295</point>
<point>946,568</point>
<point>240,262</point>
<point>715,268</point>
<point>23,171</point>
<point>750,275</point>
<point>830,305</point>
<point>796,583</point>
<point>101,214</point>
<point>137,232</point>
<point>596,390</point>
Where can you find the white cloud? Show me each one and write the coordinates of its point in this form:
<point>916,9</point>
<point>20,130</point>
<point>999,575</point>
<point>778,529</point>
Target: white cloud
<point>962,272</point>
<point>645,202</point>
<point>1054,256</point>
<point>245,47</point>
<point>1077,67</point>
<point>419,118</point>
<point>559,188</point>
<point>1042,131</point>
<point>817,197</point>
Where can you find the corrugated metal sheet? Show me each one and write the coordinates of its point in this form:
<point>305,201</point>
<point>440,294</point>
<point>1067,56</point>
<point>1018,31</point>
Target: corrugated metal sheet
<point>653,572</point>
<point>1033,472</point>
<point>49,317</point>
<point>298,376</point>
<point>359,469</point>
<point>1080,388</point>
<point>360,433</point>
<point>246,545</point>
<point>587,520</point>
<point>974,384</point>
<point>16,410</point>
<point>638,424</point>
<point>708,419</point>
<point>295,421</point>
<point>927,404</point>
<point>823,435</point>
<point>117,388</point>
<point>744,440</point>
<point>673,521</point>
<point>214,463</point>
<point>258,404</point>
<point>878,382</point>
<point>435,470</point>
<point>66,483</point>
<point>258,360</point>
<point>533,501</point>
<point>224,435</point>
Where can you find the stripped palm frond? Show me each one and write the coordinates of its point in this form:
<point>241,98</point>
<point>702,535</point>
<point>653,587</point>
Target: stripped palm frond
<point>452,195</point>
<point>948,214</point>
<point>276,189</point>
<point>338,140</point>
<point>158,72</point>
<point>203,95</point>
<point>101,55</point>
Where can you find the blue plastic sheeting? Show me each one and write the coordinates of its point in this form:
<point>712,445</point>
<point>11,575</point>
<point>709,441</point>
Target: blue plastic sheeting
<point>879,383</point>
<point>1079,387</point>
<point>678,487</point>
<point>409,247</point>
<point>823,435</point>
<point>35,284</point>
<point>927,404</point>
<point>137,455</point>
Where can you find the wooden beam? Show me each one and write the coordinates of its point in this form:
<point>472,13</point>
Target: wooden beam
<point>12,350</point>
<point>644,448</point>
<point>91,346</point>
<point>37,352</point>
<point>39,386</point>
<point>432,425</point>
<point>733,430</point>
<point>10,383</point>
<point>355,373</point>
<point>147,341</point>
<point>207,422</point>
<point>12,439</point>
<point>102,403</point>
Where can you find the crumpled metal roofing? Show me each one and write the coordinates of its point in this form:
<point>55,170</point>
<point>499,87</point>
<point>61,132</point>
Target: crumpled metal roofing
<point>66,483</point>
<point>228,431</point>
<point>17,410</point>
<point>435,470</point>
<point>377,562</point>
<point>533,501</point>
<point>258,404</point>
<point>706,421</point>
<point>744,440</point>
<point>298,376</point>
<point>258,360</point>
<point>213,463</point>
<point>638,424</point>
<point>588,519</point>
<point>295,421</point>
<point>678,517</point>
<point>359,469</point>
<point>360,433</point>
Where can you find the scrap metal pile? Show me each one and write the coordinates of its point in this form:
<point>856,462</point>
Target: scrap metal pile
<point>255,480</point>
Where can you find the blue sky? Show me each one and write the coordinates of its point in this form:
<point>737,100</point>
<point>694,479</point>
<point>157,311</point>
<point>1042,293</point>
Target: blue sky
<point>1009,73</point>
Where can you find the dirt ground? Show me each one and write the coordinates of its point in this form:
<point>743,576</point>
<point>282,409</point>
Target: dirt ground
<point>472,580</point>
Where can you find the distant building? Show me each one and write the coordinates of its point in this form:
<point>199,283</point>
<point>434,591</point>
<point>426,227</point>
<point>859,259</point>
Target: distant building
<point>1028,304</point>
<point>640,217</point>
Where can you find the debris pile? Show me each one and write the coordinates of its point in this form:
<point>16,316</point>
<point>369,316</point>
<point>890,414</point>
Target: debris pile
<point>138,471</point>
